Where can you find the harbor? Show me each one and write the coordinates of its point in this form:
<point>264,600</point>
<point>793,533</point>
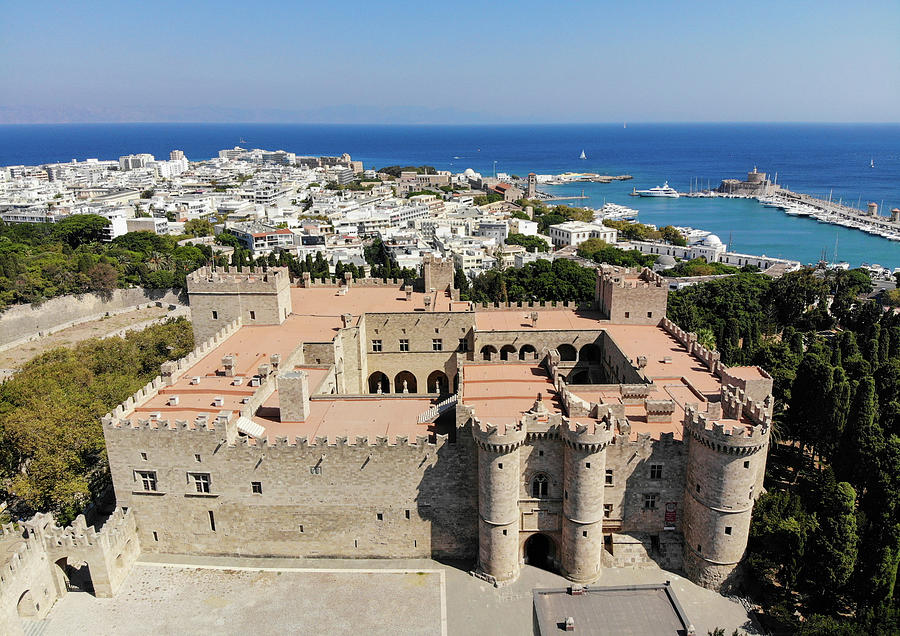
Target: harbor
<point>746,226</point>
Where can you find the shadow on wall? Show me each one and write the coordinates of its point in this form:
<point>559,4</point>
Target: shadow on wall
<point>447,496</point>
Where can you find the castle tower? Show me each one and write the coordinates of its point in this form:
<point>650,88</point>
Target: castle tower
<point>726,462</point>
<point>531,188</point>
<point>584,466</point>
<point>439,274</point>
<point>220,296</point>
<point>498,500</point>
<point>629,296</point>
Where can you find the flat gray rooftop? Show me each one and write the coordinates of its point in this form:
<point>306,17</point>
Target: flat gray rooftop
<point>628,610</point>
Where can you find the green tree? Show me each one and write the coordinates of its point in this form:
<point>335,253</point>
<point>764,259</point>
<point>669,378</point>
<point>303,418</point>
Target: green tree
<point>77,229</point>
<point>834,545</point>
<point>198,227</point>
<point>530,243</point>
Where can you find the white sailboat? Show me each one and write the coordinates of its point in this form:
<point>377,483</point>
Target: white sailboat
<point>872,162</point>
<point>583,156</point>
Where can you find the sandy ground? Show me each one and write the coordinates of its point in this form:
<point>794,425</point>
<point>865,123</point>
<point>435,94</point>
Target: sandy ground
<point>17,356</point>
<point>169,594</point>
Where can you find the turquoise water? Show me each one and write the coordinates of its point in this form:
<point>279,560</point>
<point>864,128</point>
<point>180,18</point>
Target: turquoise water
<point>746,225</point>
<point>817,159</point>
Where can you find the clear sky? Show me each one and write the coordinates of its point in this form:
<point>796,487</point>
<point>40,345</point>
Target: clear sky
<point>449,62</point>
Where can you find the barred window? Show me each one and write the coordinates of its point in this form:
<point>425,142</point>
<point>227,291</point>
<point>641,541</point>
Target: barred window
<point>404,345</point>
<point>656,471</point>
<point>376,346</point>
<point>650,501</point>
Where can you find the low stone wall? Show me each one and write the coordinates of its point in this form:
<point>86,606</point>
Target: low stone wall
<point>22,323</point>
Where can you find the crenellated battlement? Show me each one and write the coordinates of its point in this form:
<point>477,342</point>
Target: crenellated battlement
<point>630,277</point>
<point>302,443</point>
<point>21,557</point>
<point>307,281</point>
<point>686,338</point>
<point>733,439</point>
<point>549,305</point>
<point>592,438</point>
<point>237,280</point>
<point>736,403</point>
<point>111,538</point>
<point>502,439</point>
<point>170,372</point>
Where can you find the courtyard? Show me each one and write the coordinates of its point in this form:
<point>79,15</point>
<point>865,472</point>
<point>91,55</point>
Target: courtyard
<point>173,594</point>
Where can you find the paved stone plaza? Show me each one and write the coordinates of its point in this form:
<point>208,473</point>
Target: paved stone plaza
<point>186,595</point>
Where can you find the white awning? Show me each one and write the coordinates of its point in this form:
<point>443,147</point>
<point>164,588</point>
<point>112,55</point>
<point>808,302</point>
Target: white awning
<point>249,427</point>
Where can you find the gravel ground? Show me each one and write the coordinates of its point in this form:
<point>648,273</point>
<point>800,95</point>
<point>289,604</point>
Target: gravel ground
<point>170,594</point>
<point>163,601</point>
<point>17,356</point>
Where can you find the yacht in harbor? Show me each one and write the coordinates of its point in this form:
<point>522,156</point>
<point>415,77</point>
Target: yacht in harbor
<point>664,190</point>
<point>771,203</point>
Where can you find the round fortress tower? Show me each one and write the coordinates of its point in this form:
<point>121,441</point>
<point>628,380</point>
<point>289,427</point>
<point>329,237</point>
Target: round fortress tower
<point>723,475</point>
<point>584,466</point>
<point>498,500</point>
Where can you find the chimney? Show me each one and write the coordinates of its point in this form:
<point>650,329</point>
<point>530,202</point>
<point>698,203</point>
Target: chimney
<point>408,294</point>
<point>427,303</point>
<point>228,365</point>
<point>346,320</point>
<point>167,372</point>
<point>570,624</point>
<point>293,396</point>
<point>348,279</point>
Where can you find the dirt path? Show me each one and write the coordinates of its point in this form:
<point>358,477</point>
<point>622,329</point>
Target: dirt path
<point>17,356</point>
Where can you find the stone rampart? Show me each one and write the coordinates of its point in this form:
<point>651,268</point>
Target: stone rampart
<point>360,496</point>
<point>23,323</point>
<point>171,371</point>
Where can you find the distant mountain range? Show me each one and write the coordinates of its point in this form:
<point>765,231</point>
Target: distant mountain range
<point>340,114</point>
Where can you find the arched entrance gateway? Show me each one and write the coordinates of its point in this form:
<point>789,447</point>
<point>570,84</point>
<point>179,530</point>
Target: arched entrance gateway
<point>540,552</point>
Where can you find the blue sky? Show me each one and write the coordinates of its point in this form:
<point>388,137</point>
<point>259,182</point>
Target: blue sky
<point>439,62</point>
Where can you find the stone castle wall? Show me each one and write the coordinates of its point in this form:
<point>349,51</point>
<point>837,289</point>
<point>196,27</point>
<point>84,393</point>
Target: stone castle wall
<point>42,556</point>
<point>627,300</point>
<point>367,498</point>
<point>420,329</point>
<point>254,296</point>
<point>22,323</point>
<point>28,586</point>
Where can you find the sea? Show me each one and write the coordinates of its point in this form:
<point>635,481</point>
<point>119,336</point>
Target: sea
<point>824,160</point>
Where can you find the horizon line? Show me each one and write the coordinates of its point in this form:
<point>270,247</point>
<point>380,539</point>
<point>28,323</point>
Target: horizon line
<point>523,123</point>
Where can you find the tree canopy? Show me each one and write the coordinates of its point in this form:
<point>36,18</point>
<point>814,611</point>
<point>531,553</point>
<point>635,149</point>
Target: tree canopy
<point>53,456</point>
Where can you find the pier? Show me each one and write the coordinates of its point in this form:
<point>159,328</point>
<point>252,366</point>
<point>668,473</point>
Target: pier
<point>575,198</point>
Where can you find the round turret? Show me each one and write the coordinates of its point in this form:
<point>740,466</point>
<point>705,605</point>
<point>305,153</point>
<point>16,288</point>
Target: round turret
<point>498,499</point>
<point>584,466</point>
<point>723,471</point>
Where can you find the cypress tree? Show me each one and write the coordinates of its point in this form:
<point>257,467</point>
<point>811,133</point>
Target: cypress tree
<point>863,439</point>
<point>837,409</point>
<point>834,548</point>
